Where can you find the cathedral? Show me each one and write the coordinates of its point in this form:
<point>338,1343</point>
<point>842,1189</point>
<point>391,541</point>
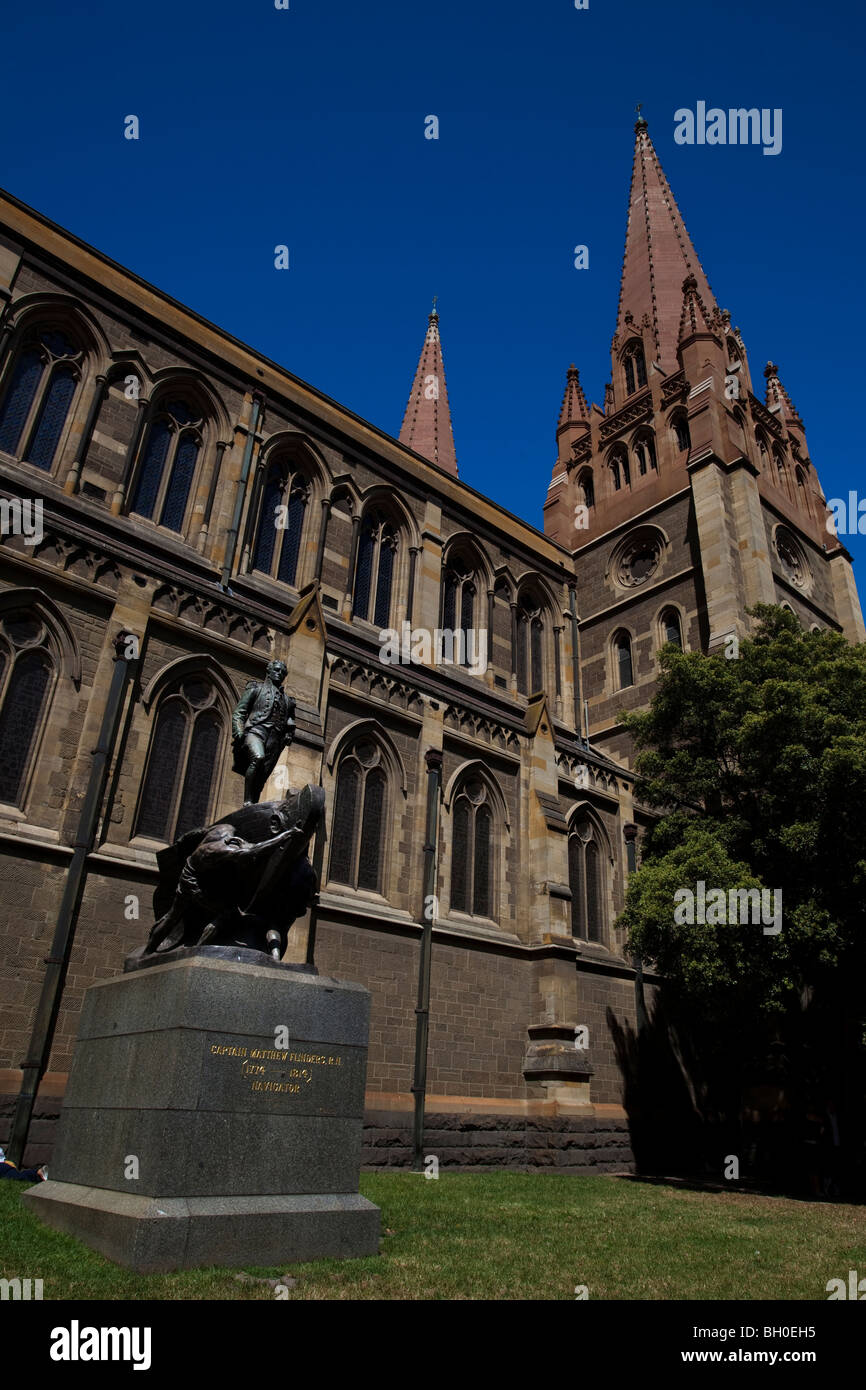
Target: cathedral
<point>179,487</point>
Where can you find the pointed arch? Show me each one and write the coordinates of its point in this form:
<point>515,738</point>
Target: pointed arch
<point>188,707</point>
<point>365,767</point>
<point>622,659</point>
<point>36,649</point>
<point>369,728</point>
<point>586,488</point>
<point>618,468</point>
<point>644,450</point>
<point>670,626</point>
<point>47,308</point>
<point>289,479</point>
<point>474,767</point>
<point>43,386</point>
<point>66,647</point>
<point>478,834</point>
<point>463,542</point>
<point>190,381</point>
<point>589,867</point>
<point>176,670</point>
<point>387,533</point>
<point>633,364</point>
<point>534,619</point>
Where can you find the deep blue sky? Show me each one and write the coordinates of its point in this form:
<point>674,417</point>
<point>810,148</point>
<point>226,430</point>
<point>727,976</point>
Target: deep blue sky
<point>306,127</point>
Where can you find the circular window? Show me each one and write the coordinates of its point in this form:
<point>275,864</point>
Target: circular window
<point>637,559</point>
<point>476,792</point>
<point>367,753</point>
<point>198,692</point>
<point>792,559</point>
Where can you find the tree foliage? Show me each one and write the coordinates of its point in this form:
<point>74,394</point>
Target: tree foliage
<point>756,767</point>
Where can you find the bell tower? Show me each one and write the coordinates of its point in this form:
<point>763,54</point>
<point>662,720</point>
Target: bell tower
<point>685,499</point>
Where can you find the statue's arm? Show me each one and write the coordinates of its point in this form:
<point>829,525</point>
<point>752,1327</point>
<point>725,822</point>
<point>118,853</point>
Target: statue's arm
<point>242,709</point>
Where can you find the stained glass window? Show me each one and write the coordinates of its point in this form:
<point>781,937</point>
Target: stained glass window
<point>370,857</point>
<point>180,482</point>
<point>359,823</point>
<point>374,569</point>
<point>343,829</point>
<point>266,534</point>
<point>167,464</point>
<point>472,852</point>
<point>185,747</point>
<point>291,547</point>
<point>586,882</point>
<point>18,399</point>
<point>28,675</point>
<point>385,579</point>
<point>277,545</point>
<point>41,387</point>
<point>364,569</point>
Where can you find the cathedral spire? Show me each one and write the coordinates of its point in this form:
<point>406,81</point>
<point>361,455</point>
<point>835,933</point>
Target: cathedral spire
<point>426,425</point>
<point>574,408</point>
<point>659,255</point>
<point>694,320</point>
<point>778,399</point>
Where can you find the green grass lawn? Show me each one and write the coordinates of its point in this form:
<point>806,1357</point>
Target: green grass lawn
<point>507,1236</point>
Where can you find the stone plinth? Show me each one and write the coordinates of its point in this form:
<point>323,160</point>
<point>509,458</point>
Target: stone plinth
<point>193,1134</point>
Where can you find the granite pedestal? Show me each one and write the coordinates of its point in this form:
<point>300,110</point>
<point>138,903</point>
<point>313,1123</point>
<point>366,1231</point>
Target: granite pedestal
<point>194,1132</point>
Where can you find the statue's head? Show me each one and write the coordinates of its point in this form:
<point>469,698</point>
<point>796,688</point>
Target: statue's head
<point>276,671</point>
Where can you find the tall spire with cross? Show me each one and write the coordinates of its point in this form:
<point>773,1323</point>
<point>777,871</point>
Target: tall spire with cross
<point>426,425</point>
<point>659,254</point>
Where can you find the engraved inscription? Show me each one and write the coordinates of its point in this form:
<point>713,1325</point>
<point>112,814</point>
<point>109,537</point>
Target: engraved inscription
<point>254,1067</point>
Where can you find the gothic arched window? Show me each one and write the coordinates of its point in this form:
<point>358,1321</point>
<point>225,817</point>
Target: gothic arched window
<point>635,369</point>
<point>168,462</point>
<point>459,598</point>
<point>180,781</point>
<point>374,569</point>
<point>586,488</point>
<point>359,822</point>
<point>623,660</point>
<point>586,881</point>
<point>645,451</point>
<point>683,436</point>
<point>671,628</point>
<point>619,468</point>
<point>281,523</point>
<point>529,638</point>
<point>26,681</point>
<point>472,846</point>
<point>38,395</point>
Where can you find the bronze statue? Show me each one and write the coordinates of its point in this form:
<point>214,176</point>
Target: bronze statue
<point>241,882</point>
<point>263,724</point>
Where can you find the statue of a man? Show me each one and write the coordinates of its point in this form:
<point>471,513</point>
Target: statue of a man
<point>263,724</point>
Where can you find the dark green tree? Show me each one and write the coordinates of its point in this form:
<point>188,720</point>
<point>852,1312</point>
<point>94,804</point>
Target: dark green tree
<point>756,767</point>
